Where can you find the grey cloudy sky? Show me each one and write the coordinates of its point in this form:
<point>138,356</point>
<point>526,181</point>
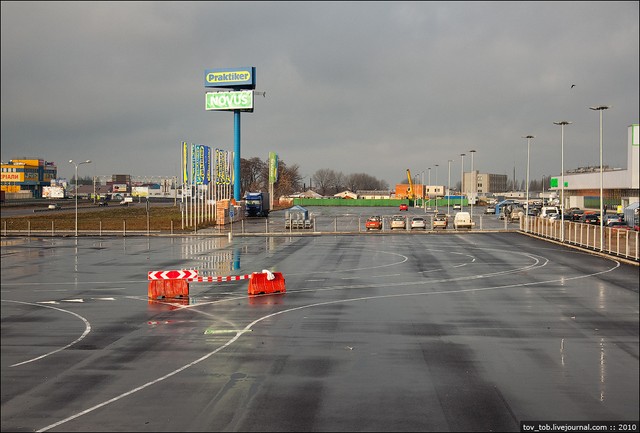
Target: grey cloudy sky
<point>357,87</point>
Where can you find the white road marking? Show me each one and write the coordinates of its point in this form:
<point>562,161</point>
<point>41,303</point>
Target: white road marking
<point>87,329</point>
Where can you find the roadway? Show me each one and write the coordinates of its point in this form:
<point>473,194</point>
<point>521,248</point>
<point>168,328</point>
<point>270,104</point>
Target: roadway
<point>464,332</point>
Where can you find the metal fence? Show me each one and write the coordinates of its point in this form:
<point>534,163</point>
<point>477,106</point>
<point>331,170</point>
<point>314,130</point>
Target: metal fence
<point>615,241</point>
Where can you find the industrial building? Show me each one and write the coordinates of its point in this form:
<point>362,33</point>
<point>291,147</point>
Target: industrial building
<point>619,186</point>
<point>26,177</point>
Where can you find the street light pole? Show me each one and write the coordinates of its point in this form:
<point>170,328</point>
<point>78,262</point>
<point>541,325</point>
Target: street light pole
<point>526,219</point>
<point>449,187</point>
<point>562,123</point>
<point>429,188</point>
<point>77,164</point>
<point>436,190</point>
<point>601,108</point>
<point>461,179</point>
<point>474,179</point>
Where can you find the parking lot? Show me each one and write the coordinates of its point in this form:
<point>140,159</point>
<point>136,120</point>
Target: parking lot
<point>374,333</point>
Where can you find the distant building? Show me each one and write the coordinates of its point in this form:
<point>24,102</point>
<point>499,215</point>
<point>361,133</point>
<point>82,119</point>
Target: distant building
<point>25,177</point>
<point>373,194</point>
<point>346,194</point>
<point>485,183</point>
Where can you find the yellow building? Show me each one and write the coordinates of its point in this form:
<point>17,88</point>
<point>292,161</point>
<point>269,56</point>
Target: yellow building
<point>27,174</point>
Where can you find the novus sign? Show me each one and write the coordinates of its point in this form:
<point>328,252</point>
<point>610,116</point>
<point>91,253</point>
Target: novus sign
<point>242,100</point>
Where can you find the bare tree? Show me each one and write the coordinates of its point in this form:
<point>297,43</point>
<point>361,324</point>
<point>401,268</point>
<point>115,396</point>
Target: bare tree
<point>253,175</point>
<point>325,180</point>
<point>363,181</point>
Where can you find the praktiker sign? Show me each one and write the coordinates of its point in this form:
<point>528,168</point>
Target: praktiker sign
<point>242,100</point>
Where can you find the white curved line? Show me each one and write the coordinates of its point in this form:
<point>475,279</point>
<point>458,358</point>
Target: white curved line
<point>250,325</point>
<point>87,329</point>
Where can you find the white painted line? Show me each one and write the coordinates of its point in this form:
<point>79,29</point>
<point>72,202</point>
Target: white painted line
<point>87,329</point>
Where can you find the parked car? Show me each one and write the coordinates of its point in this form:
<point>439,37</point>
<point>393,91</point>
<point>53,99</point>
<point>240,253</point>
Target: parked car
<point>575,214</point>
<point>590,218</point>
<point>611,218</point>
<point>373,223</point>
<point>404,206</point>
<point>546,210</point>
<point>418,222</point>
<point>441,221</point>
<point>398,222</point>
<point>618,226</point>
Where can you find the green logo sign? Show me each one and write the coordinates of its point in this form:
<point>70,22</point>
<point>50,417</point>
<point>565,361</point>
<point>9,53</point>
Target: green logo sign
<point>229,100</point>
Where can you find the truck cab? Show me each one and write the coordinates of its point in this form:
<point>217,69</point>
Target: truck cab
<point>257,204</point>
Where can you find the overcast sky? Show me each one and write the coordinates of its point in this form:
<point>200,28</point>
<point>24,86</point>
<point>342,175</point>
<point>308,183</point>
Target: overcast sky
<point>357,87</point>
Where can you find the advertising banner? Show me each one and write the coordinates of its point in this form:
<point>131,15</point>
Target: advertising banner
<point>13,177</point>
<point>207,165</point>
<point>185,163</point>
<point>223,167</point>
<point>273,167</point>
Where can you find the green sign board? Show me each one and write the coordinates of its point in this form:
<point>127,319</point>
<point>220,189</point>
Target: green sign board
<point>229,100</point>
<point>555,182</point>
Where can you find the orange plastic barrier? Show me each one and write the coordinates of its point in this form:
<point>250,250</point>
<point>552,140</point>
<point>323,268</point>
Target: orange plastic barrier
<point>261,284</point>
<point>168,288</point>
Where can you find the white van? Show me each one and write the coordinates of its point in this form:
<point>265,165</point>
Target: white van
<point>547,210</point>
<point>462,220</point>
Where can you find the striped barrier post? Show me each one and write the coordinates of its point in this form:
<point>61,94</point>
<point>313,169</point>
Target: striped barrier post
<point>169,284</point>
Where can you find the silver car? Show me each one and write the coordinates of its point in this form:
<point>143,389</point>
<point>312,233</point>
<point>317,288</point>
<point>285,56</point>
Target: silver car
<point>398,222</point>
<point>418,222</point>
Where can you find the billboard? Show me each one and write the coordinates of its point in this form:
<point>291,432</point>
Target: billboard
<point>242,100</point>
<point>233,78</point>
<point>52,192</point>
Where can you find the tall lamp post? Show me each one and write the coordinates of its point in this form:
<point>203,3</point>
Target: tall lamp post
<point>429,188</point>
<point>436,165</point>
<point>461,179</point>
<point>526,219</point>
<point>88,161</point>
<point>474,184</point>
<point>449,187</point>
<point>601,108</point>
<point>562,124</point>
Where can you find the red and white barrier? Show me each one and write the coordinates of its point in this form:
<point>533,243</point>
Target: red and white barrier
<point>163,284</point>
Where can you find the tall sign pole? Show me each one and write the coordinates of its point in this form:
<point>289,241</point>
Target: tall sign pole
<point>242,82</point>
<point>236,152</point>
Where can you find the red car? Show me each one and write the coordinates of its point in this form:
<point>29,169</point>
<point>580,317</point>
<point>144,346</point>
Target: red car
<point>404,206</point>
<point>373,223</point>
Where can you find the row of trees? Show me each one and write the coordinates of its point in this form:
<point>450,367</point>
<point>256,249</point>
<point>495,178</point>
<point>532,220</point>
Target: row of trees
<point>255,177</point>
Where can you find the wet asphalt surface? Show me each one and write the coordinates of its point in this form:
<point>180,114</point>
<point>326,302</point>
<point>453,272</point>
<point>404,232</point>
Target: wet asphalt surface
<point>456,332</point>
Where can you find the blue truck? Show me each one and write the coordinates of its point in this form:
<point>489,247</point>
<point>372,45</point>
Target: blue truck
<point>257,204</point>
